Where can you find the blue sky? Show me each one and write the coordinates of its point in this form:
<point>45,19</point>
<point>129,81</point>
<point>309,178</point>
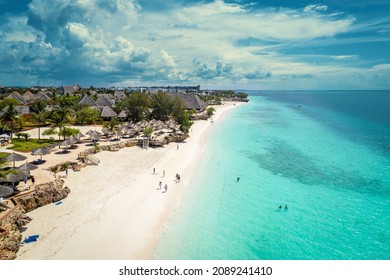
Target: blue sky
<point>239,44</point>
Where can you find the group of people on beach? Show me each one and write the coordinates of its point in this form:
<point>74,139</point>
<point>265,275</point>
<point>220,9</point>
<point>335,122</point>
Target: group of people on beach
<point>177,180</point>
<point>165,187</point>
<point>26,179</point>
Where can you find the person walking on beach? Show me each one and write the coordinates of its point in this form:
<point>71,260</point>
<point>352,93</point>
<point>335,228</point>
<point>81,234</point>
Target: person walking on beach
<point>163,173</point>
<point>159,185</point>
<point>177,147</point>
<point>165,188</point>
<point>32,180</point>
<point>66,172</point>
<point>154,170</point>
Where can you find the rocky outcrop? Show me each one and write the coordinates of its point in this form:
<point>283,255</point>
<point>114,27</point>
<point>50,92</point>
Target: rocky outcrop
<point>11,237</point>
<point>76,166</point>
<point>200,116</point>
<point>44,194</point>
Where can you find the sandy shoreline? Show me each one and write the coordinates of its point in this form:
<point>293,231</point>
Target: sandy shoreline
<point>115,210</point>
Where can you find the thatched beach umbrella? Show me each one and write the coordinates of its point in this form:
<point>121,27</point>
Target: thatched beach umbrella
<point>14,177</point>
<point>89,132</point>
<point>27,167</point>
<point>79,135</point>
<point>41,152</point>
<point>94,137</point>
<point>5,191</point>
<point>14,157</point>
<point>67,142</point>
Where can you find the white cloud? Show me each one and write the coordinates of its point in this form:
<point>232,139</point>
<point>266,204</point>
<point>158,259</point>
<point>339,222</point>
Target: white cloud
<point>119,41</point>
<point>315,8</point>
<point>345,57</point>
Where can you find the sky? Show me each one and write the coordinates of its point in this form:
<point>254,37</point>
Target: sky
<point>240,44</point>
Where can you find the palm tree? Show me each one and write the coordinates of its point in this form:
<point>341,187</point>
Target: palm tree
<point>39,114</point>
<point>112,127</point>
<point>62,116</point>
<point>10,115</point>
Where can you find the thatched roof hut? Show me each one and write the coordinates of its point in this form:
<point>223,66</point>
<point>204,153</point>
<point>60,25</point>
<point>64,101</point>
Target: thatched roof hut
<point>122,114</point>
<point>87,100</point>
<point>16,95</point>
<point>29,97</point>
<point>104,101</point>
<point>191,100</point>
<point>108,113</point>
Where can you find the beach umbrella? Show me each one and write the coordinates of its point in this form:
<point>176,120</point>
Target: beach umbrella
<point>14,177</point>
<point>27,167</point>
<point>79,135</point>
<point>5,191</point>
<point>14,157</point>
<point>67,142</point>
<point>41,152</point>
<point>90,132</point>
<point>94,137</point>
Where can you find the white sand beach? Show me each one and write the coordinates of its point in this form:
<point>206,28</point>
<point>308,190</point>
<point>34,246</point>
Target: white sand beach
<point>115,210</point>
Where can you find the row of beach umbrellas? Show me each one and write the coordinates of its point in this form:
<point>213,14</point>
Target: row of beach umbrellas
<point>21,172</point>
<point>18,174</point>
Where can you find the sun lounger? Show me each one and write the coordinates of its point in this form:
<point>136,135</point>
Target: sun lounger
<point>31,238</point>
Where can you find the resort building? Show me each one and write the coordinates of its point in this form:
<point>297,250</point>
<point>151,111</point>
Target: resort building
<point>191,100</point>
<point>70,89</point>
<point>16,95</point>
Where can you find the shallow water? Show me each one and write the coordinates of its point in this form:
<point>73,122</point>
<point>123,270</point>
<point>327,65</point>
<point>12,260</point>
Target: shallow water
<point>324,154</point>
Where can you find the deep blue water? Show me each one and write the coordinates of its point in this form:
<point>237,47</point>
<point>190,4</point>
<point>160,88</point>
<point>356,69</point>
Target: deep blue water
<point>323,153</point>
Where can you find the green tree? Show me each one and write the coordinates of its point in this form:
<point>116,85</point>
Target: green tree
<point>87,115</point>
<point>184,121</point>
<point>137,106</point>
<point>162,106</point>
<point>210,111</point>
<point>68,132</point>
<point>10,116</point>
<point>22,134</point>
<point>112,127</point>
<point>39,114</point>
<point>178,107</point>
<point>148,131</point>
<point>63,114</point>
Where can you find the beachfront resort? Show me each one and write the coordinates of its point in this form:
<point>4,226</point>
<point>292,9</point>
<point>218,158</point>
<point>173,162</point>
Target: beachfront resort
<point>49,135</point>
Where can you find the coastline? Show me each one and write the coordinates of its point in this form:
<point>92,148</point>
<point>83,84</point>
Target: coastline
<point>114,210</point>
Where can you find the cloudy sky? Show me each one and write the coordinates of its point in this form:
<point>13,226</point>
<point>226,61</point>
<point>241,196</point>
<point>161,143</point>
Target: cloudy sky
<point>254,44</point>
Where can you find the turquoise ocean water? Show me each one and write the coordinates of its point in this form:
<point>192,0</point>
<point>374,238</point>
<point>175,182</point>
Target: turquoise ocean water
<point>326,154</point>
